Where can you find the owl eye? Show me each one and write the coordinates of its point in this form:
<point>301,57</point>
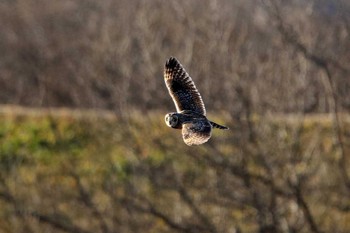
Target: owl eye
<point>171,120</point>
<point>174,120</point>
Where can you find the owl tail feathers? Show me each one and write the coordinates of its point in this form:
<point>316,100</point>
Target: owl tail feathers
<point>215,125</point>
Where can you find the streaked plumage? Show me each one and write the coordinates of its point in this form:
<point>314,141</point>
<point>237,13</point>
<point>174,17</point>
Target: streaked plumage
<point>191,113</point>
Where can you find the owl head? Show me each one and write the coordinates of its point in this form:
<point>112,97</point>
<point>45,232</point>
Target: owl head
<point>172,120</point>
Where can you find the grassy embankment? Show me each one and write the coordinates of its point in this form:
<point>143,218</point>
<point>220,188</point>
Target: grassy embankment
<point>85,171</point>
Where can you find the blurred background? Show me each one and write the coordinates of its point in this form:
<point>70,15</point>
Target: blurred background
<point>277,72</point>
<point>95,54</point>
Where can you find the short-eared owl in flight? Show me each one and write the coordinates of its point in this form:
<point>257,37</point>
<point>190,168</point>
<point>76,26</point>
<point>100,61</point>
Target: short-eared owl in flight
<point>191,114</point>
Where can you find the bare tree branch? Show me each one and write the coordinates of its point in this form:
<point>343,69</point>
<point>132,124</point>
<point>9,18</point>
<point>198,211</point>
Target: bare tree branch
<point>54,222</point>
<point>208,225</point>
<point>151,209</point>
<point>305,208</point>
<point>86,198</point>
<point>324,64</point>
<point>41,217</point>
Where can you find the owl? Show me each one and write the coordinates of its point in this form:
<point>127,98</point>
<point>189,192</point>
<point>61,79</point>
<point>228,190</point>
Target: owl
<point>191,115</point>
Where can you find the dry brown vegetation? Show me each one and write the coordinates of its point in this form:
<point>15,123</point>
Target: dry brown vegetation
<point>280,56</point>
<point>276,72</point>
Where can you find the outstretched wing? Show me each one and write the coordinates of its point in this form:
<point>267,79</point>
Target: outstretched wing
<point>196,133</point>
<point>181,88</point>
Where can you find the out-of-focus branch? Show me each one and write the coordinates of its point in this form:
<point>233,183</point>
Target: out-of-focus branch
<point>325,64</point>
<point>224,165</point>
<point>54,222</point>
<point>208,225</point>
<point>304,207</point>
<point>41,217</point>
<point>149,208</point>
<point>86,198</point>
<point>292,38</point>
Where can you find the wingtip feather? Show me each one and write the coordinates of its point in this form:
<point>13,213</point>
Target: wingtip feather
<point>171,63</point>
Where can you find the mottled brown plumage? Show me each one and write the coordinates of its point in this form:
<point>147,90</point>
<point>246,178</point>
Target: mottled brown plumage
<point>191,113</point>
<point>181,88</point>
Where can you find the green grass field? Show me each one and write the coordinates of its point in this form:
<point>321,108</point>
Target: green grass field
<point>88,171</point>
